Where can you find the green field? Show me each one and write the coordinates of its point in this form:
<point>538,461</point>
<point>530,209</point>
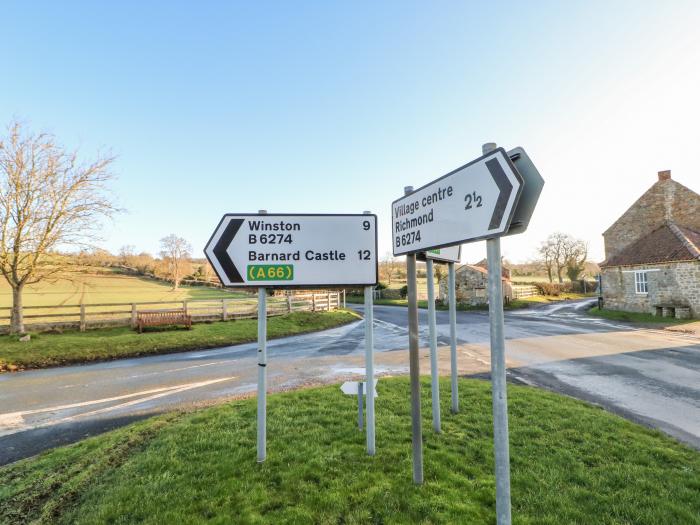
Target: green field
<point>45,350</point>
<point>571,463</point>
<point>104,287</point>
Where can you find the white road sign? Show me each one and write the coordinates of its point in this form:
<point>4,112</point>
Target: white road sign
<point>294,250</point>
<point>446,254</point>
<point>351,388</point>
<point>473,202</point>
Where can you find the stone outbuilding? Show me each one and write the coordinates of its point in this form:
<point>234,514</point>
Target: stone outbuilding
<point>471,284</point>
<point>652,253</point>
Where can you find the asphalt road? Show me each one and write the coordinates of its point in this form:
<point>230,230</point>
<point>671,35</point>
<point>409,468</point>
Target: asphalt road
<point>650,376</point>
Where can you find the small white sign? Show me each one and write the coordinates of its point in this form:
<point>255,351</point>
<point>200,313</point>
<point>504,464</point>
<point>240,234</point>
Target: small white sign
<point>294,250</point>
<point>447,254</point>
<point>351,388</point>
<point>470,203</point>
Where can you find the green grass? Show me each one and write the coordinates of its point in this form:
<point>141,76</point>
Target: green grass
<point>105,287</point>
<point>515,304</point>
<point>635,317</point>
<point>571,463</point>
<point>45,350</point>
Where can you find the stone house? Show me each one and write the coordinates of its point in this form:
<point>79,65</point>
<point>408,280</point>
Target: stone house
<point>471,284</point>
<point>652,253</point>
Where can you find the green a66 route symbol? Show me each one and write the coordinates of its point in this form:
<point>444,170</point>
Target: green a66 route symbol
<point>294,250</point>
<point>270,272</point>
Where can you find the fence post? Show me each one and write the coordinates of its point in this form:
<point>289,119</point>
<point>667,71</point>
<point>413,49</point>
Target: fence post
<point>289,304</point>
<point>82,317</point>
<point>344,305</point>
<point>313,302</point>
<point>133,315</point>
<point>184,306</point>
<point>224,313</point>
<point>329,301</point>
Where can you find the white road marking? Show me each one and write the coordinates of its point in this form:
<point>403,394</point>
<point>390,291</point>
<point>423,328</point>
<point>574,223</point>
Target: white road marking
<point>12,422</point>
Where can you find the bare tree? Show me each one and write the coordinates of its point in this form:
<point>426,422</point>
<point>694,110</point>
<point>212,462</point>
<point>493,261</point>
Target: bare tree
<point>553,255</point>
<point>49,200</point>
<point>562,252</point>
<point>389,265</point>
<point>175,252</point>
<point>127,254</point>
<point>575,253</point>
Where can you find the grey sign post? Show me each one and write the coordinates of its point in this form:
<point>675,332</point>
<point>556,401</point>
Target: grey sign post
<point>452,298</point>
<point>432,332</point>
<point>414,364</point>
<point>262,370</point>
<point>498,376</point>
<point>291,250</point>
<point>480,200</point>
<point>448,255</point>
<point>369,364</point>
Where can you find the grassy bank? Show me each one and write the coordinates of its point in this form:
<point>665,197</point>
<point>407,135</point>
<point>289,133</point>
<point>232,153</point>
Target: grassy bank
<point>635,317</point>
<point>46,350</point>
<point>515,304</point>
<point>571,463</point>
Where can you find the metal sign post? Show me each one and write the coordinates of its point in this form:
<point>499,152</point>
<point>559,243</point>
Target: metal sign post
<point>449,255</point>
<point>452,297</point>
<point>262,374</point>
<point>262,370</point>
<point>369,365</point>
<point>360,404</point>
<point>498,376</point>
<point>414,365</point>
<point>291,250</point>
<point>432,331</point>
<point>480,200</point>
<point>359,389</point>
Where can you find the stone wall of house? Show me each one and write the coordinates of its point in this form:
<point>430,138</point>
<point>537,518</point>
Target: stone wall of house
<point>665,201</point>
<point>674,283</point>
<point>471,287</point>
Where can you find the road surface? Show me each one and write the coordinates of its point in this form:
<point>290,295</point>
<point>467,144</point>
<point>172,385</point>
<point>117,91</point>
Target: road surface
<point>650,376</point>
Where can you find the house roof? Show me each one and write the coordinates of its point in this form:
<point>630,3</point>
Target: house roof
<point>668,243</point>
<point>476,268</point>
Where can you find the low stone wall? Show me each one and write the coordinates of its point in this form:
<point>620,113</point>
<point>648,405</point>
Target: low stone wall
<point>668,284</point>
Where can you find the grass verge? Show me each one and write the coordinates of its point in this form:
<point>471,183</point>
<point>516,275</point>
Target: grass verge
<point>45,350</point>
<point>570,463</point>
<point>515,304</point>
<point>635,317</point>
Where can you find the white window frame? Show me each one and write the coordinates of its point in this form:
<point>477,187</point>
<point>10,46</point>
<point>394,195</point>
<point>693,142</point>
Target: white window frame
<point>641,282</point>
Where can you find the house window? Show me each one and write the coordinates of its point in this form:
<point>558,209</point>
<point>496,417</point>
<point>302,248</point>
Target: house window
<point>641,283</point>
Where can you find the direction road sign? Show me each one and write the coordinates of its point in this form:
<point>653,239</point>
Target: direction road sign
<point>448,254</point>
<point>473,202</point>
<point>276,250</point>
<point>532,187</point>
<point>351,388</point>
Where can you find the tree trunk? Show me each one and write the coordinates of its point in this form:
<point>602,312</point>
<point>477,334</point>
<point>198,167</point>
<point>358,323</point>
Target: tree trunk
<point>17,322</point>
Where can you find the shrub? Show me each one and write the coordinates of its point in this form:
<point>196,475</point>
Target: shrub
<point>380,286</point>
<point>404,291</point>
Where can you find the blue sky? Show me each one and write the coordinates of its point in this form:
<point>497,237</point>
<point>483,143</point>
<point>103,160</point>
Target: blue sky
<point>217,107</point>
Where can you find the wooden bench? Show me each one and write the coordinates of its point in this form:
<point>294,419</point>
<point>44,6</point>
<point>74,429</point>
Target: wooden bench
<point>163,318</point>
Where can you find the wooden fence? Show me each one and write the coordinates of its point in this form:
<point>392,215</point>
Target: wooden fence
<point>521,290</point>
<point>85,316</point>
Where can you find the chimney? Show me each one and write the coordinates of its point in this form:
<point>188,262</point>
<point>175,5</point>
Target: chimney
<point>665,175</point>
